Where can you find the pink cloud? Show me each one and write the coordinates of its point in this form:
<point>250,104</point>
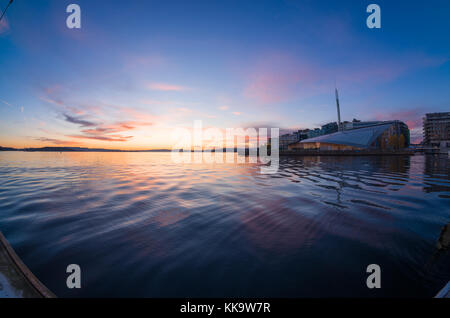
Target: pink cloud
<point>4,25</point>
<point>61,104</point>
<point>145,61</point>
<point>103,138</point>
<point>184,110</point>
<point>50,90</point>
<point>236,113</point>
<point>56,141</point>
<point>165,87</point>
<point>152,102</point>
<point>105,132</point>
<point>137,115</point>
<point>412,117</point>
<point>278,77</point>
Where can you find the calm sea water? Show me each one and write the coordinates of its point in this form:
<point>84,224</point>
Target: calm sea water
<point>140,225</point>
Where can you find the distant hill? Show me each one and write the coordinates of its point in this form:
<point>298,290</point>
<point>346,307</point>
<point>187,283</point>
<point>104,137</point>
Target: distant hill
<point>7,149</point>
<point>77,149</point>
<point>80,149</point>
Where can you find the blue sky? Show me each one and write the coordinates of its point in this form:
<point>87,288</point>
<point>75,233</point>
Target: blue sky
<point>137,69</point>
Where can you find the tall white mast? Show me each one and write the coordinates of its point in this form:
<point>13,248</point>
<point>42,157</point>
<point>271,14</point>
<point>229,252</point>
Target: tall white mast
<point>338,109</point>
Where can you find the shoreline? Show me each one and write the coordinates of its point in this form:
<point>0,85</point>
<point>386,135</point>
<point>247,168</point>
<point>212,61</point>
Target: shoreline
<point>347,153</point>
<point>281,153</point>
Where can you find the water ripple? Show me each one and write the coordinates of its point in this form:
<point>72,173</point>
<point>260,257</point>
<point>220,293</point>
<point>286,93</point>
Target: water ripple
<point>140,225</point>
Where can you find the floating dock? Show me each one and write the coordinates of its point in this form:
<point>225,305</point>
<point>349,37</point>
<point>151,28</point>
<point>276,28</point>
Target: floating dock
<point>16,280</point>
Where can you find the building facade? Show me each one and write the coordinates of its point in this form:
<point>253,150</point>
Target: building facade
<point>390,135</point>
<point>329,128</point>
<point>286,140</point>
<point>314,133</point>
<point>436,130</point>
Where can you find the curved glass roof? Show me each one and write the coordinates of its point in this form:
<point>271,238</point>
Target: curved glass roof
<point>359,137</point>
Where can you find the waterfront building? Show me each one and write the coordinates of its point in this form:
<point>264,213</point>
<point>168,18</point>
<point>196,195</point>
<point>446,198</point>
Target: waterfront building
<point>346,125</point>
<point>287,139</point>
<point>329,128</point>
<point>379,136</point>
<point>436,131</point>
<point>355,123</point>
<point>299,135</point>
<point>314,133</point>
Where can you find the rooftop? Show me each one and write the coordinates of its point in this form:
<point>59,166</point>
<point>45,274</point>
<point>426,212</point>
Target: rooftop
<point>357,137</point>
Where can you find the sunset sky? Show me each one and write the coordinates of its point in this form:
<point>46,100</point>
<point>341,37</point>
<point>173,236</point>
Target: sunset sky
<point>138,69</point>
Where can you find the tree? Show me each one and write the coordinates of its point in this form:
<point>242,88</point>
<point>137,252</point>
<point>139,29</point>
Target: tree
<point>383,142</point>
<point>393,142</point>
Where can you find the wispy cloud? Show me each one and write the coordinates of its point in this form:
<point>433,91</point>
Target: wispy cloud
<point>97,120</point>
<point>4,25</point>
<point>55,141</point>
<point>6,103</point>
<point>277,77</point>
<point>79,121</point>
<point>145,61</point>
<point>61,104</point>
<point>165,87</point>
<point>115,128</point>
<point>21,108</point>
<point>106,132</point>
<point>103,138</point>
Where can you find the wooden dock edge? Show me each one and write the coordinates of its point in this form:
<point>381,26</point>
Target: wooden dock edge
<point>24,271</point>
<point>444,292</point>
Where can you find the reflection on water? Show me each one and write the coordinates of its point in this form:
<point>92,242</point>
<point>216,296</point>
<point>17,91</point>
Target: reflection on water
<point>140,225</point>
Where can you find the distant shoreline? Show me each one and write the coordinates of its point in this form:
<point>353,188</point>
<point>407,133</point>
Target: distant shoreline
<point>235,150</point>
<point>77,149</point>
<point>355,153</point>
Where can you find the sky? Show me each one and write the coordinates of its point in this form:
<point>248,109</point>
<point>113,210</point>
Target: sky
<point>136,70</point>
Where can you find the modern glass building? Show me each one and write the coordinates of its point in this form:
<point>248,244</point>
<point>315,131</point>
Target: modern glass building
<point>436,129</point>
<point>379,136</point>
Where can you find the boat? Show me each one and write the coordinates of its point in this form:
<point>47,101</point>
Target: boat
<point>445,292</point>
<point>16,280</point>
